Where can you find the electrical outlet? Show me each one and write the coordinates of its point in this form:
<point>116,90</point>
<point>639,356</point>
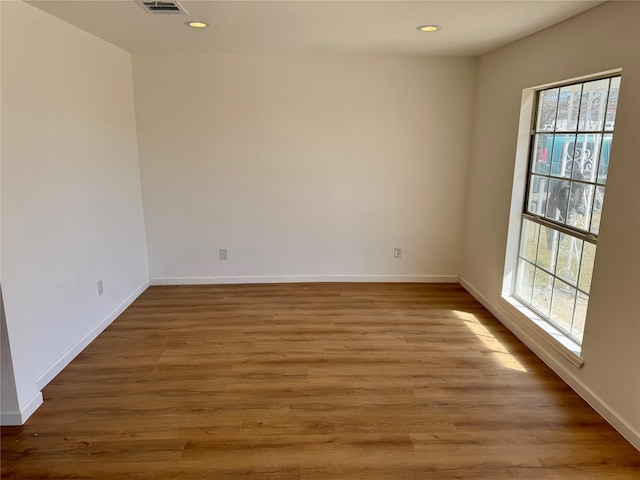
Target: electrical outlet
<point>100,288</point>
<point>223,254</point>
<point>397,252</point>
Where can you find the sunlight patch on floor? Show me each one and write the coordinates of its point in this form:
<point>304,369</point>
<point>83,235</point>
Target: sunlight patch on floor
<point>484,335</point>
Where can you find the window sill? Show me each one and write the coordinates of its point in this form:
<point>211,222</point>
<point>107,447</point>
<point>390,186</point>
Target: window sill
<point>554,337</point>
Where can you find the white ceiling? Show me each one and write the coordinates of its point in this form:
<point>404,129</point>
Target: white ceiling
<point>470,27</point>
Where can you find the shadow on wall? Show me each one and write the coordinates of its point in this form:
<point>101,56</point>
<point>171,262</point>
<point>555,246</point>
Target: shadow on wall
<point>9,396</point>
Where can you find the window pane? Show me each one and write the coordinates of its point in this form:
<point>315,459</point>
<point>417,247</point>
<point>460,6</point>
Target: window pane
<point>524,280</point>
<point>585,157</point>
<point>537,195</point>
<point>580,315</point>
<point>541,161</point>
<point>529,240</point>
<point>562,157</point>
<point>593,105</point>
<point>568,108</point>
<point>562,304</point>
<point>586,266</point>
<point>569,255</point>
<point>580,200</point>
<point>542,288</point>
<point>547,104</point>
<point>547,248</point>
<point>558,200</point>
<point>597,210</point>
<point>613,104</point>
<point>603,167</point>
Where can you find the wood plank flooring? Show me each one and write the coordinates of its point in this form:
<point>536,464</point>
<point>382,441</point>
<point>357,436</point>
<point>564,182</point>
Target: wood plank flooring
<point>307,382</point>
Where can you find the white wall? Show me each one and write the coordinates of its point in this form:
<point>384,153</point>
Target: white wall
<point>8,395</point>
<point>303,167</point>
<point>601,39</point>
<point>71,198</point>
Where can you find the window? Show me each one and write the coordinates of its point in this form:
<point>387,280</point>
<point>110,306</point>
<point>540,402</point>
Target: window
<point>566,181</point>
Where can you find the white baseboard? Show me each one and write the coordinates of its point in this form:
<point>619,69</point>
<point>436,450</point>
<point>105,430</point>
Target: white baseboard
<point>70,354</point>
<point>540,345</point>
<point>14,417</point>
<point>305,279</point>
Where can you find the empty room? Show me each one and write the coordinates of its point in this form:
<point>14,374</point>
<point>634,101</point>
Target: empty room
<point>320,239</point>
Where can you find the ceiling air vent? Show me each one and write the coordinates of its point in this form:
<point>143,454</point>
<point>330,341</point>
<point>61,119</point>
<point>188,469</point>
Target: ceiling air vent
<point>166,8</point>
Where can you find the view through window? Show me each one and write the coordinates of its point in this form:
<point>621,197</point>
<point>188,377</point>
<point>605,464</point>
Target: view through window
<point>568,166</point>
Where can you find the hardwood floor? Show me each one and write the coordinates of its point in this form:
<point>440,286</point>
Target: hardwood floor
<point>312,381</point>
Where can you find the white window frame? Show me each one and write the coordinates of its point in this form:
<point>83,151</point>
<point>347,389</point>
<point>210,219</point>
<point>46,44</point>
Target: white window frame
<point>530,323</point>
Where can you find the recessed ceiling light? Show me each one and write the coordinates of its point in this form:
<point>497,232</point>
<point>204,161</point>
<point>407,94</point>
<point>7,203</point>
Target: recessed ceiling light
<point>196,24</point>
<point>428,28</point>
